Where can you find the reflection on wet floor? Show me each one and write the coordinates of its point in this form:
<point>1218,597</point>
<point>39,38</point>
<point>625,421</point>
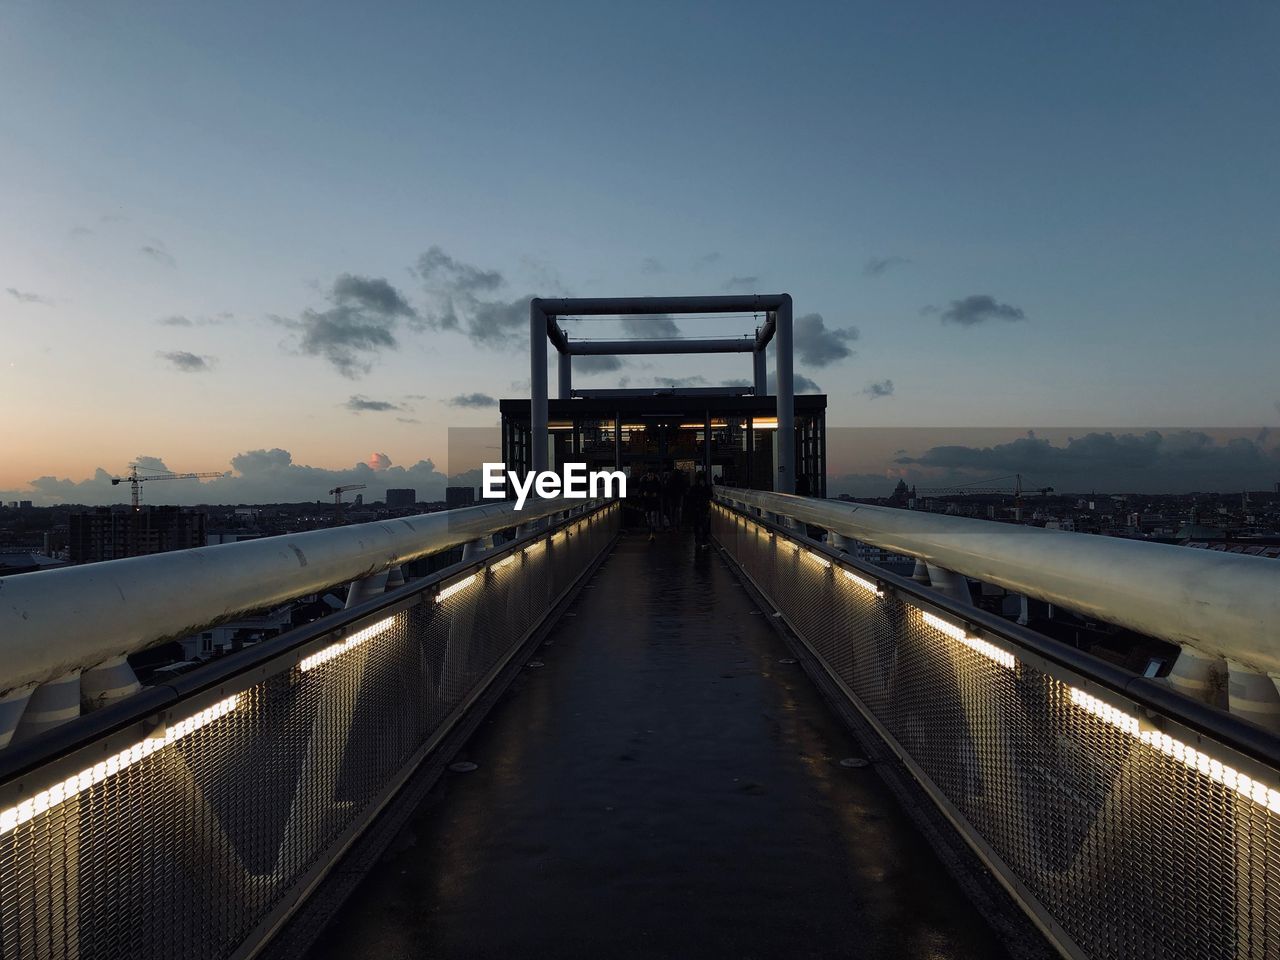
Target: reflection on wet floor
<point>663,787</point>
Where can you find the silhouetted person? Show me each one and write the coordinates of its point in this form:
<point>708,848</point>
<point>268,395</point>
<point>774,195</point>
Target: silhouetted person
<point>674,486</point>
<point>650,491</point>
<point>700,508</point>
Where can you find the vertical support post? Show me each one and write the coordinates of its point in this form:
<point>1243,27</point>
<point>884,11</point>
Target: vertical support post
<point>11,706</point>
<point>1253,696</point>
<point>954,585</point>
<point>109,681</point>
<point>537,387</point>
<point>366,588</point>
<point>785,482</point>
<point>617,439</point>
<point>751,451</point>
<point>761,379</point>
<point>706,446</point>
<point>822,454</point>
<point>52,703</point>
<point>566,376</point>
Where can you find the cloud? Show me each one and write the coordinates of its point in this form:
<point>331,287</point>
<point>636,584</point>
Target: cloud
<point>741,283</point>
<point>883,388</point>
<point>179,320</point>
<point>592,363</point>
<point>462,299</point>
<point>260,476</point>
<point>706,260</point>
<point>23,296</point>
<point>674,383</point>
<point>407,420</point>
<point>360,404</point>
<point>876,266</point>
<point>818,346</point>
<point>156,251</point>
<point>371,293</point>
<point>657,326</point>
<point>1172,461</point>
<point>799,383</point>
<point>472,400</point>
<point>977,308</point>
<point>186,362</point>
<point>359,325</point>
<point>153,464</point>
<point>651,265</point>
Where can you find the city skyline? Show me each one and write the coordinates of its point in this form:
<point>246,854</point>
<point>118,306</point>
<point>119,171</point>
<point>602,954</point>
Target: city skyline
<point>234,231</point>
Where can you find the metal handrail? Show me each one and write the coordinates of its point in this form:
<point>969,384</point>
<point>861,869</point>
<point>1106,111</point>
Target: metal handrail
<point>55,622</point>
<point>1151,695</point>
<point>226,673</point>
<point>1222,604</point>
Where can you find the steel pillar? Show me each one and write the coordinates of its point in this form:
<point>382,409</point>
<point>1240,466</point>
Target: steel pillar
<point>785,482</point>
<point>566,376</point>
<point>761,372</point>
<point>537,387</point>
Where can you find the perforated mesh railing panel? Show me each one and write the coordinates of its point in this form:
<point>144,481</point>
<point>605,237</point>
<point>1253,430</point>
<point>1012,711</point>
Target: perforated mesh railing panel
<point>1124,839</point>
<point>189,842</point>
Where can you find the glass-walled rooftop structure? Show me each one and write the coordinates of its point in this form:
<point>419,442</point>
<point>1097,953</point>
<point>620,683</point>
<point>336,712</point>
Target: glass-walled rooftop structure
<point>729,432</point>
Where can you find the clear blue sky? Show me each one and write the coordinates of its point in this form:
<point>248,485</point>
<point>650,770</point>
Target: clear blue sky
<point>1104,173</point>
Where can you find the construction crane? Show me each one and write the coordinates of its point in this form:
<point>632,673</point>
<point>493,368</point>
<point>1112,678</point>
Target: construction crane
<point>135,481</point>
<point>339,491</point>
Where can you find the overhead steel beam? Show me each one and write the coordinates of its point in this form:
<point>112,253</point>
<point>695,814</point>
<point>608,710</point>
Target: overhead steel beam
<point>1221,604</point>
<point>629,306</point>
<point>777,307</point>
<point>589,348</point>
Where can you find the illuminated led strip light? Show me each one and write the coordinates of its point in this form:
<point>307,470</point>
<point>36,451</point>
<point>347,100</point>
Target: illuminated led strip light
<point>976,644</point>
<point>45,800</point>
<point>338,649</point>
<point>535,546</point>
<point>456,587</point>
<point>504,562</point>
<point>862,582</point>
<point>817,558</point>
<point>1201,762</point>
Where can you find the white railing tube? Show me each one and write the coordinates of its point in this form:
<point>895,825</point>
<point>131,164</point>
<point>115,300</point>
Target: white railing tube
<point>1222,604</point>
<point>58,622</point>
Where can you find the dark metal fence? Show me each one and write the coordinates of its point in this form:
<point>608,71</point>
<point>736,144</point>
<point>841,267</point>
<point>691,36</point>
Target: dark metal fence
<point>197,815</point>
<point>1129,824</point>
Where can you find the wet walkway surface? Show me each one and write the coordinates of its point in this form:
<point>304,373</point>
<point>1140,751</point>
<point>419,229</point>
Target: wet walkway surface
<point>663,787</point>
